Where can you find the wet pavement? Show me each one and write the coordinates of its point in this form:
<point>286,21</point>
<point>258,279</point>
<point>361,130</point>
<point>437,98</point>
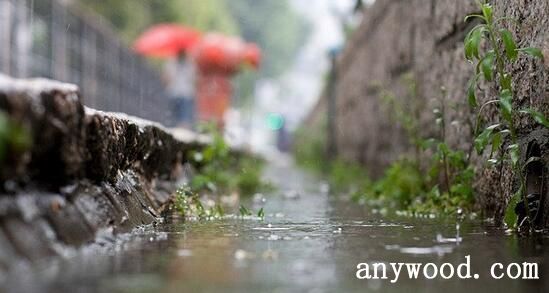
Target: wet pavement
<point>308,242</point>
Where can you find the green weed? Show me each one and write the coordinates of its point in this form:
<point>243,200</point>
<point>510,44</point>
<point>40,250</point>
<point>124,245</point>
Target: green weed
<point>13,137</point>
<point>224,172</point>
<point>310,147</point>
<point>490,59</point>
<point>442,185</point>
<point>188,204</point>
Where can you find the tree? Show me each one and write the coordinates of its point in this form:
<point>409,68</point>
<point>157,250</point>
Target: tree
<point>130,17</point>
<point>274,26</point>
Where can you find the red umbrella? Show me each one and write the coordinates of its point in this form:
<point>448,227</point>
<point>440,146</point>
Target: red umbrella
<point>166,40</point>
<point>252,55</point>
<point>216,52</point>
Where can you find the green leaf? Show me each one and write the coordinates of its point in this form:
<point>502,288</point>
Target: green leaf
<point>219,210</point>
<point>505,132</point>
<point>510,215</point>
<point>514,153</point>
<point>472,42</point>
<point>530,161</point>
<point>443,148</point>
<point>537,116</point>
<point>486,66</point>
<point>506,82</point>
<point>509,43</point>
<point>497,141</point>
<point>244,211</point>
<point>427,143</point>
<point>534,52</point>
<point>19,138</point>
<point>261,213</point>
<point>474,16</point>
<point>484,138</point>
<point>487,12</point>
<point>506,106</point>
<point>471,96</point>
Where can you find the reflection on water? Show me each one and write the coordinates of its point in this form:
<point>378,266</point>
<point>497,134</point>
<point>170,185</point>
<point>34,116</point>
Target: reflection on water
<point>307,243</point>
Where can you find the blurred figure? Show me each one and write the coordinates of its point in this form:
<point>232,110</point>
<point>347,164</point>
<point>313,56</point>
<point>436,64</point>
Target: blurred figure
<point>218,59</point>
<point>283,139</point>
<point>181,83</point>
<point>214,96</point>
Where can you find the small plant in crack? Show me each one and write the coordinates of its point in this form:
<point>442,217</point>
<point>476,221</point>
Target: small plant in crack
<point>482,48</point>
<point>224,172</point>
<point>246,212</point>
<point>188,205</point>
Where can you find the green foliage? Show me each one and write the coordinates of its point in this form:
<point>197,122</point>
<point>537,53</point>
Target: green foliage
<point>223,172</point>
<point>248,180</point>
<point>405,111</point>
<point>537,116</point>
<point>491,66</point>
<point>534,52</point>
<point>407,186</point>
<point>509,43</point>
<point>278,31</point>
<point>310,147</point>
<point>347,177</point>
<point>188,204</point>
<point>440,186</point>
<point>274,26</point>
<point>13,137</point>
<point>261,213</point>
<point>402,184</point>
<point>244,211</point>
<point>130,17</point>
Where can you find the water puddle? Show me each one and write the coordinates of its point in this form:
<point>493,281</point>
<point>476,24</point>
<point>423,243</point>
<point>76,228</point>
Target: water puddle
<point>314,247</point>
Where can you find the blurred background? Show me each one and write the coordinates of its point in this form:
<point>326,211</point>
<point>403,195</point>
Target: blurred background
<point>95,44</point>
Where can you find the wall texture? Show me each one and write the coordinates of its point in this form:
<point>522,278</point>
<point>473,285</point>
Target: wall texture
<point>423,39</point>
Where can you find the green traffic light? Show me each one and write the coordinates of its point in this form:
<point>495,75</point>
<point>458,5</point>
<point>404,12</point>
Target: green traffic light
<point>275,121</point>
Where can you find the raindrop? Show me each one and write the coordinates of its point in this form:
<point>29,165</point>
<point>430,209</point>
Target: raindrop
<point>273,237</point>
<point>270,254</point>
<point>241,254</point>
<point>291,194</point>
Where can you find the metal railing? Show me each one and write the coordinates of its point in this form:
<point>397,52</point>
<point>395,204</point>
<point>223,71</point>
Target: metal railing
<point>50,38</point>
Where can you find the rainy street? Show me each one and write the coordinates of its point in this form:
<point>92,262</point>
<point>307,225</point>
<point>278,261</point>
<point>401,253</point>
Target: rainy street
<point>308,242</point>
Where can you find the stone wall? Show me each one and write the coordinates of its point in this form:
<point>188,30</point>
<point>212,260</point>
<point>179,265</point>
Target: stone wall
<point>423,39</point>
<point>84,172</point>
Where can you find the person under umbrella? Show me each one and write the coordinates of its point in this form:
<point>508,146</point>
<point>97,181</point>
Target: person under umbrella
<point>181,83</point>
<point>174,41</point>
<point>218,58</point>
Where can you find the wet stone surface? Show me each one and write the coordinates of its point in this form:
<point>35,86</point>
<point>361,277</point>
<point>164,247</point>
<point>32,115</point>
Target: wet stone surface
<point>309,242</point>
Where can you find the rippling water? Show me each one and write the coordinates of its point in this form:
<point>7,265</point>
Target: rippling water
<point>308,242</point>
